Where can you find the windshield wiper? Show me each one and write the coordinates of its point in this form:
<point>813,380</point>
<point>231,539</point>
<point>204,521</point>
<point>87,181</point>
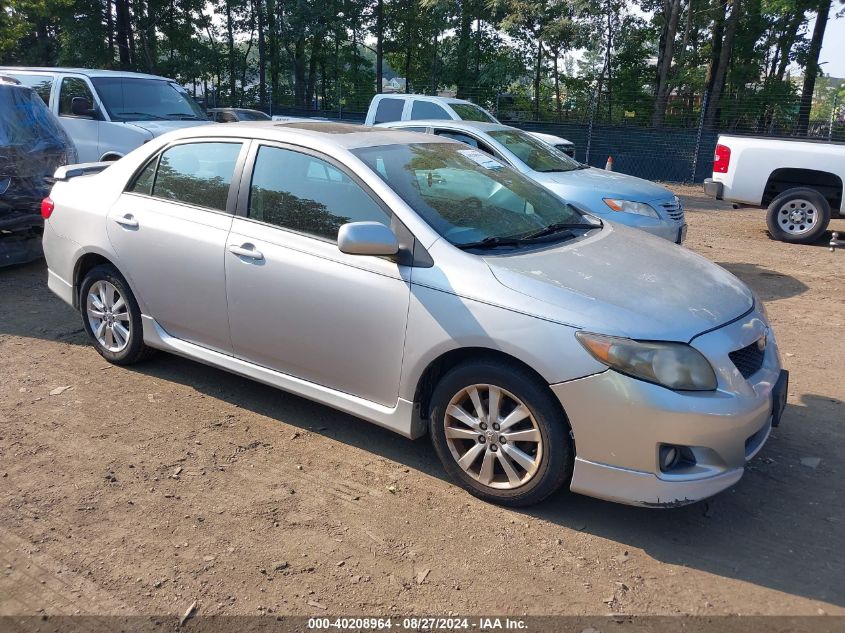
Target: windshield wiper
<point>492,242</point>
<point>152,116</point>
<point>557,228</point>
<point>185,117</point>
<point>554,170</point>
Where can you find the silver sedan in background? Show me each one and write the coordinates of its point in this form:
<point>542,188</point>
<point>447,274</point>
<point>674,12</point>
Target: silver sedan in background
<point>624,199</point>
<point>425,286</point>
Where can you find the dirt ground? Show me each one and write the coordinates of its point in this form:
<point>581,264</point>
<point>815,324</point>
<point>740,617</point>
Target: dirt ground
<point>144,489</point>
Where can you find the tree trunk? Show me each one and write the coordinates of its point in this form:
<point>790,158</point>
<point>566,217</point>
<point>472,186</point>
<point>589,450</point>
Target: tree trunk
<point>666,64</point>
<point>715,97</point>
<point>123,33</point>
<point>230,40</point>
<point>555,55</point>
<point>262,54</point>
<point>110,27</point>
<point>811,69</point>
<point>299,73</point>
<point>379,45</point>
<point>716,37</point>
<point>786,43</point>
<point>273,50</point>
<point>316,44</point>
<point>464,35</point>
<point>538,70</point>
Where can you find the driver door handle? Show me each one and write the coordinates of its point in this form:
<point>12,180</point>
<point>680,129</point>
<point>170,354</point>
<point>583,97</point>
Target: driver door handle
<point>246,250</point>
<point>127,220</point>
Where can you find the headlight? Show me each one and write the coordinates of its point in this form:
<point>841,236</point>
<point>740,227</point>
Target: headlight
<point>673,365</point>
<point>629,206</point>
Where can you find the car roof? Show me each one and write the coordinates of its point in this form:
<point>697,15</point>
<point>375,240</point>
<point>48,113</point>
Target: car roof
<point>439,99</point>
<point>234,110</point>
<point>88,72</point>
<point>473,126</point>
<point>346,135</point>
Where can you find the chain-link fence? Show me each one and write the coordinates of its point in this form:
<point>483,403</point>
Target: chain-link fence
<point>676,146</point>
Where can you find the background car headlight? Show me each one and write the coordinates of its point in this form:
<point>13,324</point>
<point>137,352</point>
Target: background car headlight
<point>629,206</point>
<point>673,365</point>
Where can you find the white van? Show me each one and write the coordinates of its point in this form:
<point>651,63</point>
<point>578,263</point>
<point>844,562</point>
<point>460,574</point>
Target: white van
<point>388,108</point>
<point>109,113</point>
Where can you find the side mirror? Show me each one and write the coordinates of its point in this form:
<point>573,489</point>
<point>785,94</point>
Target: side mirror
<point>81,106</point>
<point>367,238</point>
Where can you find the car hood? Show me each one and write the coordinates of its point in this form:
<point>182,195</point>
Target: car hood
<point>626,283</point>
<point>157,128</point>
<point>606,183</point>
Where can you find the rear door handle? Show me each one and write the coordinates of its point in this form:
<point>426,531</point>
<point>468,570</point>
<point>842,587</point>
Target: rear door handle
<point>128,221</point>
<point>246,250</point>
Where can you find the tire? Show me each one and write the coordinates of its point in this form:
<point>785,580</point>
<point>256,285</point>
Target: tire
<point>798,216</point>
<point>546,422</point>
<point>116,323</point>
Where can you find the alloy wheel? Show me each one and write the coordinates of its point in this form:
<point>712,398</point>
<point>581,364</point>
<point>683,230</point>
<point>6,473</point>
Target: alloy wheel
<point>108,316</point>
<point>493,436</point>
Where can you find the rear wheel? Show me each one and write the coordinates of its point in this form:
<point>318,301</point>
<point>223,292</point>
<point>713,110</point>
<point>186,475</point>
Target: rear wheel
<point>111,316</point>
<point>798,216</point>
<point>500,434</point>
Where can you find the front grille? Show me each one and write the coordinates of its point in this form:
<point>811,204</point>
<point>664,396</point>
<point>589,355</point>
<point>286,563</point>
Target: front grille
<point>748,360</point>
<point>674,210</point>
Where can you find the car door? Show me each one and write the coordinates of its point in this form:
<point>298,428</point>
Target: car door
<point>169,230</point>
<point>296,303</point>
<point>84,129</point>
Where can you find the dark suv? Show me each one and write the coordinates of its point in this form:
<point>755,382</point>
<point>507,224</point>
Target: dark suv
<point>32,145</point>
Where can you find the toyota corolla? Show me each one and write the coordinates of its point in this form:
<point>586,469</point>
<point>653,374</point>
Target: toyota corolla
<point>426,287</point>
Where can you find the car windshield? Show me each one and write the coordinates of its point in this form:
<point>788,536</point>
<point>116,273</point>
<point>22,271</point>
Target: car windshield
<point>534,153</point>
<point>467,196</point>
<point>471,112</point>
<point>251,115</point>
<point>133,99</point>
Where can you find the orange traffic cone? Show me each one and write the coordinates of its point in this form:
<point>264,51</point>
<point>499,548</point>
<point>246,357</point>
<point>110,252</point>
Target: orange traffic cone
<point>609,165</point>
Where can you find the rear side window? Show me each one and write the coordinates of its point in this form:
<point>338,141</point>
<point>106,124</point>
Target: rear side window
<point>41,84</point>
<point>196,173</point>
<point>389,110</point>
<point>73,87</point>
<point>428,110</point>
<point>144,181</point>
<point>303,193</point>
<point>457,136</point>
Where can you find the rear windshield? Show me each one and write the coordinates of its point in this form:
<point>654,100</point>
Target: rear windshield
<point>537,155</point>
<point>471,112</point>
<point>251,115</point>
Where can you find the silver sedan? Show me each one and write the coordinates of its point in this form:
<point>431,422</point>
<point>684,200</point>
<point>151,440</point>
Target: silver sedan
<point>424,286</point>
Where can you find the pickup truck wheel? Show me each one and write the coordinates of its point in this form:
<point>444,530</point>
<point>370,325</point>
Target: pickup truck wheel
<point>798,216</point>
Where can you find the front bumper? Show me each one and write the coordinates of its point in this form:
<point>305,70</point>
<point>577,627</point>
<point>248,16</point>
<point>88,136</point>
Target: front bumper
<point>713,188</point>
<point>620,423</point>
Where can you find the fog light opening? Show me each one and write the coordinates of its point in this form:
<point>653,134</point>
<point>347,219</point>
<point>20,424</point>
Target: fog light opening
<point>669,457</point>
<point>675,457</point>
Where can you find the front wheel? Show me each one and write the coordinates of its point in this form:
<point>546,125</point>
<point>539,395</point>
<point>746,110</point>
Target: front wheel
<point>798,216</point>
<point>500,433</point>
<point>111,316</point>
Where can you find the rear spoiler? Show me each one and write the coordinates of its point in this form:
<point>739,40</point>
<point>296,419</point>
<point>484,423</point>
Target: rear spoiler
<point>82,169</point>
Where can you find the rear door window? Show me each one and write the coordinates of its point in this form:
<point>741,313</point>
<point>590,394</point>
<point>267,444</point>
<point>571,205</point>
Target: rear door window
<point>198,174</point>
<point>428,110</point>
<point>389,110</point>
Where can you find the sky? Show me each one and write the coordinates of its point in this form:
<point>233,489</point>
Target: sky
<point>833,47</point>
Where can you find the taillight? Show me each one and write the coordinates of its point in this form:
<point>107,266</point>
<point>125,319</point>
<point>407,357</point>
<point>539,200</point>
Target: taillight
<point>47,206</point>
<point>722,159</point>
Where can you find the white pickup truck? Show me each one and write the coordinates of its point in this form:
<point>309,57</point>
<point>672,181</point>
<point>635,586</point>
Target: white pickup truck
<point>799,181</point>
